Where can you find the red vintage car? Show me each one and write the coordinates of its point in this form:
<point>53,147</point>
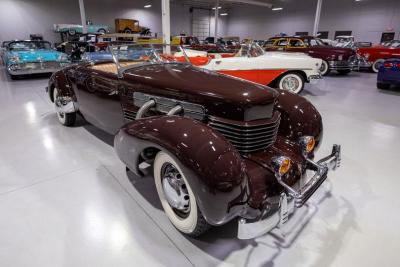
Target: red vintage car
<point>333,58</point>
<point>377,54</point>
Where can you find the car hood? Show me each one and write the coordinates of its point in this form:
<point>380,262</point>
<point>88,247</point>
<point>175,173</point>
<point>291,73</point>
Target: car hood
<point>332,52</point>
<point>221,95</point>
<point>37,55</point>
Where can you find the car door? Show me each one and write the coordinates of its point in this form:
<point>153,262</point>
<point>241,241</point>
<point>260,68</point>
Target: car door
<point>296,45</point>
<point>98,90</point>
<point>280,45</point>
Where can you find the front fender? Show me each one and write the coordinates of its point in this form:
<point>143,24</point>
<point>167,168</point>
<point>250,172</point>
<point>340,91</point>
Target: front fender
<point>298,118</point>
<point>60,81</point>
<point>215,170</point>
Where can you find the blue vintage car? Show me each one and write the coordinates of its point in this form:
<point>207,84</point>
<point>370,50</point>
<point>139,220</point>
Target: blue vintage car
<point>123,53</point>
<point>73,29</point>
<point>389,74</point>
<point>30,57</point>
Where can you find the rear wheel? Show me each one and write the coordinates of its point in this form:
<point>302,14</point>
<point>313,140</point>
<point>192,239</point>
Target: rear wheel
<point>102,31</point>
<point>324,69</point>
<point>292,82</point>
<point>127,30</point>
<point>382,86</point>
<point>66,119</point>
<point>72,32</point>
<point>377,64</point>
<point>176,196</point>
<point>344,72</point>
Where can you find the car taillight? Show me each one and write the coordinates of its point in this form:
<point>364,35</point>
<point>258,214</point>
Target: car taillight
<point>398,65</point>
<point>388,65</point>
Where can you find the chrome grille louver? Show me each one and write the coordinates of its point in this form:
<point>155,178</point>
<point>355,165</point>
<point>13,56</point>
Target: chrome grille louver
<point>129,115</point>
<point>248,137</point>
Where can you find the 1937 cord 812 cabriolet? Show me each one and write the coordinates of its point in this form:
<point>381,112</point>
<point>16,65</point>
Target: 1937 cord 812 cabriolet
<point>221,148</point>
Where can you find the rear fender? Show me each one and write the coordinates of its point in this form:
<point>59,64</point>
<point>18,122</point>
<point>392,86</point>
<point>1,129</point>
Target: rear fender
<point>214,169</point>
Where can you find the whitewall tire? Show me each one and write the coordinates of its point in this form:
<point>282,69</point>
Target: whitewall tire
<point>292,82</point>
<point>324,69</point>
<point>181,208</point>
<point>377,64</point>
<point>66,119</point>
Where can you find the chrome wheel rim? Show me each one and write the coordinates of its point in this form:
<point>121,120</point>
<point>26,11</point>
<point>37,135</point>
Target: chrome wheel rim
<point>58,104</point>
<point>323,68</point>
<point>175,190</point>
<point>290,83</point>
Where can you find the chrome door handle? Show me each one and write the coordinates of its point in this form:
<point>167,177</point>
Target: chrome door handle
<point>218,62</point>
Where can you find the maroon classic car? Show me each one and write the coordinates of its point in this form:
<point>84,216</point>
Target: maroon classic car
<point>220,148</point>
<point>333,58</point>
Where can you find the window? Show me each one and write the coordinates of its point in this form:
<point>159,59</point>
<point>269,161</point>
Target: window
<point>282,42</point>
<point>323,35</point>
<point>296,43</point>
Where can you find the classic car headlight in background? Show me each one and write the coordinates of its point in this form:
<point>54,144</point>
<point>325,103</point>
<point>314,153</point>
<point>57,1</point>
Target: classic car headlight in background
<point>307,144</point>
<point>281,165</point>
<point>62,57</point>
<point>14,59</point>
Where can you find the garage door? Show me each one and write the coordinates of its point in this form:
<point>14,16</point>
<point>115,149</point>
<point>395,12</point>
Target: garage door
<point>201,23</point>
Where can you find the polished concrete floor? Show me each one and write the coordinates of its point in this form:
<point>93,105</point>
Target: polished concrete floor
<point>66,200</point>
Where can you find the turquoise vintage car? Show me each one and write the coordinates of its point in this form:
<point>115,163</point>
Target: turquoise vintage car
<point>30,57</point>
<point>73,29</point>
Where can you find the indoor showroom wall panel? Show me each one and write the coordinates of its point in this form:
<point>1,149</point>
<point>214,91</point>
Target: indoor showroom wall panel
<point>20,18</point>
<point>367,18</point>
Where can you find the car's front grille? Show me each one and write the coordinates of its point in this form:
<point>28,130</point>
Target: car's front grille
<point>248,136</point>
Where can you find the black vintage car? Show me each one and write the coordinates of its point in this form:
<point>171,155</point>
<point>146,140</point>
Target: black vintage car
<point>220,148</point>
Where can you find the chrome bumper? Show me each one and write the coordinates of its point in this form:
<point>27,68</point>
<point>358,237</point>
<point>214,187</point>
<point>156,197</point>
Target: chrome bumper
<point>292,199</point>
<point>340,65</point>
<point>35,68</point>
<point>313,79</point>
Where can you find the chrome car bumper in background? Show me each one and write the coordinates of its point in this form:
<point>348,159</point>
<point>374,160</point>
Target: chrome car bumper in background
<point>292,199</point>
<point>35,67</point>
<point>313,79</point>
<point>340,65</point>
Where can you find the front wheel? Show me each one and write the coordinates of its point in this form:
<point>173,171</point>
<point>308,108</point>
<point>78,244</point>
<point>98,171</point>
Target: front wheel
<point>176,196</point>
<point>291,82</point>
<point>377,64</point>
<point>324,69</point>
<point>102,31</point>
<point>383,86</point>
<point>66,119</point>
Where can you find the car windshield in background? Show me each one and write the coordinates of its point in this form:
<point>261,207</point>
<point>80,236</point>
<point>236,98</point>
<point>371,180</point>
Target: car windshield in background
<point>29,45</point>
<point>316,42</point>
<point>152,53</point>
<point>250,50</point>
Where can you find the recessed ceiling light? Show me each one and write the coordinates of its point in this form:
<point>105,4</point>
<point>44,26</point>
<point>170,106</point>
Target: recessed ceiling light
<point>223,14</point>
<point>218,8</point>
<point>277,8</point>
<point>147,6</point>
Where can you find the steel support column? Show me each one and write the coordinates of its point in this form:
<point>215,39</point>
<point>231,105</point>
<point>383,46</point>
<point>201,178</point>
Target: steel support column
<point>83,16</point>
<point>166,21</point>
<point>317,16</point>
<point>216,21</point>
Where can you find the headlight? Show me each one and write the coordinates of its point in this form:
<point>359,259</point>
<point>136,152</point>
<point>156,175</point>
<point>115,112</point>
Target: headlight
<point>14,58</point>
<point>62,57</point>
<point>307,144</point>
<point>281,165</point>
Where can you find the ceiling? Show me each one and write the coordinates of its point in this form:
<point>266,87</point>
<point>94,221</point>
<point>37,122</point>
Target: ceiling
<point>228,3</point>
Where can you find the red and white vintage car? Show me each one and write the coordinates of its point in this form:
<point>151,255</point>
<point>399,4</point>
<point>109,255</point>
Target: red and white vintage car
<point>377,54</point>
<point>287,71</point>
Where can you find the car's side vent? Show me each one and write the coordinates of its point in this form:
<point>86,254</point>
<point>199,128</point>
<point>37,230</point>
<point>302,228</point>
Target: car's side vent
<point>248,137</point>
<point>129,115</point>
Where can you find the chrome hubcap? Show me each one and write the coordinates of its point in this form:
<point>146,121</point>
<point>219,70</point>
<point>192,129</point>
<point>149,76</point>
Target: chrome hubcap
<point>175,189</point>
<point>322,68</point>
<point>58,103</point>
<point>290,83</point>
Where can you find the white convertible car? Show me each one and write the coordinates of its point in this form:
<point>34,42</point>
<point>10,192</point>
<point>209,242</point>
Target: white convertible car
<point>287,71</point>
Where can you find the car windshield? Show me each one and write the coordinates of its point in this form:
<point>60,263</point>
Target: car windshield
<point>395,44</point>
<point>29,45</point>
<point>130,54</point>
<point>250,50</point>
<point>316,42</point>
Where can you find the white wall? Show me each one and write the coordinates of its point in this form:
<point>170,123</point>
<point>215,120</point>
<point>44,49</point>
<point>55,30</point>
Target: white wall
<point>367,19</point>
<point>19,18</point>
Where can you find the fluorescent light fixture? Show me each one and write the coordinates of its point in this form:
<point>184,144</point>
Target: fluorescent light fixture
<point>277,8</point>
<point>147,6</point>
<point>223,14</point>
<point>358,0</point>
<point>218,7</point>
